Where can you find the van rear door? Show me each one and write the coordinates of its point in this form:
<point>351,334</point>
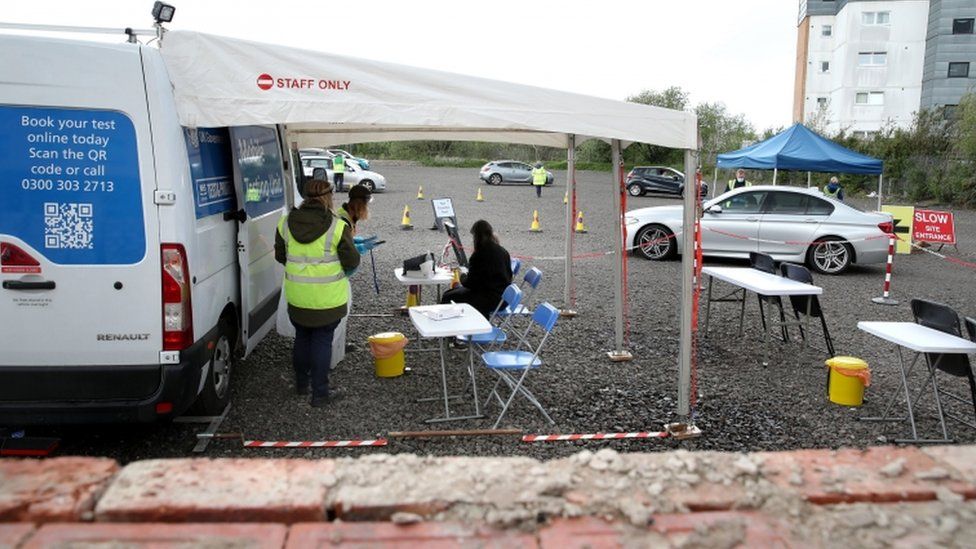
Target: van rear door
<point>259,183</point>
<point>80,266</point>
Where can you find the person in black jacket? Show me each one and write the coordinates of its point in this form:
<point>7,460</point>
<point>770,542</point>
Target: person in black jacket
<point>489,272</point>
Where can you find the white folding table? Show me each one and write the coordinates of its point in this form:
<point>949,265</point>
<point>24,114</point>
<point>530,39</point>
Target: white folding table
<point>922,340</point>
<point>759,282</point>
<point>440,277</point>
<point>469,323</point>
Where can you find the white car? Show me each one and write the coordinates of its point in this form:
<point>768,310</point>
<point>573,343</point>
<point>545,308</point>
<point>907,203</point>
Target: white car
<point>353,174</point>
<point>791,224</point>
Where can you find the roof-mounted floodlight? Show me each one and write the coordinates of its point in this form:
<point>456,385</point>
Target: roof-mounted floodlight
<point>163,12</point>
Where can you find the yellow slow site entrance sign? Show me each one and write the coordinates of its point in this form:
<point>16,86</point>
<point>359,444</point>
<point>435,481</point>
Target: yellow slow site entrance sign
<point>904,217</point>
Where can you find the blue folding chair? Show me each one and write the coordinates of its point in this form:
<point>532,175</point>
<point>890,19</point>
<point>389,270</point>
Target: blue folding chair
<point>530,283</point>
<point>516,265</point>
<point>498,336</point>
<point>507,364</point>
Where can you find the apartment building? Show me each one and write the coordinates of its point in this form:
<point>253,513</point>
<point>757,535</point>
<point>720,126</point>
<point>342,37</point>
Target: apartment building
<point>864,63</point>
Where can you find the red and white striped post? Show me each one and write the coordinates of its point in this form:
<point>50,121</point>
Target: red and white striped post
<point>885,298</point>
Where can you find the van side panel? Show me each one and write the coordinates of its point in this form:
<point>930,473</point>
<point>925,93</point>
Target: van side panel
<point>195,219</point>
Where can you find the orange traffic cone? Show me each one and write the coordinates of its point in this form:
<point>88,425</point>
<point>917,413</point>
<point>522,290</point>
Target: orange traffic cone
<point>480,197</point>
<point>580,228</point>
<point>536,226</point>
<point>405,223</point>
<point>420,193</point>
<point>456,280</point>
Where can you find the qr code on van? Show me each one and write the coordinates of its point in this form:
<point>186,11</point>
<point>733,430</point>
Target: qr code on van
<point>68,226</point>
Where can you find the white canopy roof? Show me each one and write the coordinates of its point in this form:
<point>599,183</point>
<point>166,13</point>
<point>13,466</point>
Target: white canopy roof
<point>329,99</point>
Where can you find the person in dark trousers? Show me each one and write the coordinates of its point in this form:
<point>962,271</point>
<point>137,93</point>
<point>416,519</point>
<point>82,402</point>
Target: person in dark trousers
<point>539,176</point>
<point>489,272</point>
<point>317,250</point>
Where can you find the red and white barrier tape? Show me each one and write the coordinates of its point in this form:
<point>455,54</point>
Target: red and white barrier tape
<point>957,261</point>
<point>594,436</point>
<point>314,443</point>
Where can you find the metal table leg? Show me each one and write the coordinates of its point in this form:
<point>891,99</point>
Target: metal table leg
<point>742,311</point>
<point>708,302</point>
<point>765,360</point>
<point>447,407</point>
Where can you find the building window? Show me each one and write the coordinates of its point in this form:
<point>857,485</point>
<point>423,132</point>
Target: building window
<point>959,70</point>
<point>962,26</point>
<point>821,102</point>
<point>876,18</point>
<point>869,98</point>
<point>825,66</point>
<point>826,30</point>
<point>872,59</point>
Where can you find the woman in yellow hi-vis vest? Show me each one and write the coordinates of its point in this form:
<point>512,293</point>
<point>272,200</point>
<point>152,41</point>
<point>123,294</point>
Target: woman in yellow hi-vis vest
<point>317,249</point>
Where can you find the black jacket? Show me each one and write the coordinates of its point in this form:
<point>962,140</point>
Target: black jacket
<point>489,271</point>
<point>306,224</point>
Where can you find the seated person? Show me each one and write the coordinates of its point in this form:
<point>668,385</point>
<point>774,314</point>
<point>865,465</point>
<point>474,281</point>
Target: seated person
<point>489,272</point>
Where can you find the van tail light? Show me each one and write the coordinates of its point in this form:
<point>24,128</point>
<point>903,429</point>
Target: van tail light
<point>887,227</point>
<point>177,312</point>
<point>13,259</point>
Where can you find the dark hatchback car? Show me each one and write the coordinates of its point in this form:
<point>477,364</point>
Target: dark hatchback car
<point>657,179</point>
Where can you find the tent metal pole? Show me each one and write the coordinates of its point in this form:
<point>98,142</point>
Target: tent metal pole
<point>880,182</point>
<point>569,294</point>
<point>714,180</point>
<point>775,172</point>
<point>687,294</point>
<point>809,176</point>
<point>618,353</point>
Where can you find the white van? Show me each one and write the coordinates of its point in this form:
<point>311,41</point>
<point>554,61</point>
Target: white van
<point>137,258</point>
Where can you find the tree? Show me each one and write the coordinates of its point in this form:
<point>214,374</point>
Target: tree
<point>720,131</point>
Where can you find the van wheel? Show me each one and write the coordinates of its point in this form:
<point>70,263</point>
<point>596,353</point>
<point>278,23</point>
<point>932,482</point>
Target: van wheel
<point>216,388</point>
<point>369,185</point>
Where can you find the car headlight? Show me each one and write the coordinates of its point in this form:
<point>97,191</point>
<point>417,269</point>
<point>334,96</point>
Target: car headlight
<point>631,220</point>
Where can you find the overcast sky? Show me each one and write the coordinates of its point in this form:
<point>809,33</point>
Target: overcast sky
<point>739,53</point>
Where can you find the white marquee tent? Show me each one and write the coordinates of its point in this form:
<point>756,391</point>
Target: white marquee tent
<point>325,99</point>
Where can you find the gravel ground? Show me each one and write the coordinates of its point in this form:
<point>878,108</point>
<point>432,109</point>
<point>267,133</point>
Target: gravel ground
<point>742,406</point>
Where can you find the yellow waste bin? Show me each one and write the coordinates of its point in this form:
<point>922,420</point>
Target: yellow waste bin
<point>848,377</point>
<point>387,349</point>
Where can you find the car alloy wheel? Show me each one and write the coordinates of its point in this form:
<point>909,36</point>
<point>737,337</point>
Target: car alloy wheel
<point>830,256</point>
<point>495,179</point>
<point>635,190</point>
<point>655,242</point>
<point>369,185</point>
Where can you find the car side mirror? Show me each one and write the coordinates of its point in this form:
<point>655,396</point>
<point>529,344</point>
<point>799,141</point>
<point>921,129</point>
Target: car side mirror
<point>714,209</point>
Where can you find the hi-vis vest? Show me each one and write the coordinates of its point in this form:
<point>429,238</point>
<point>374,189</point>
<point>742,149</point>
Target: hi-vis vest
<point>832,194</point>
<point>734,184</point>
<point>313,276</point>
<point>539,176</point>
<point>338,164</point>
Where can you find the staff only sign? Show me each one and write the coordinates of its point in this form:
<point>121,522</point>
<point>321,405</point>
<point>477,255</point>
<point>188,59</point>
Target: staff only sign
<point>934,226</point>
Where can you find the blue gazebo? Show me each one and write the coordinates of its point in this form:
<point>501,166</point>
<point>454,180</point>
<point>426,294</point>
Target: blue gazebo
<point>801,149</point>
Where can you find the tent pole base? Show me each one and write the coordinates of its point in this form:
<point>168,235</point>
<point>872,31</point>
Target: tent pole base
<point>884,301</point>
<point>682,431</point>
<point>620,356</point>
<point>568,313</point>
